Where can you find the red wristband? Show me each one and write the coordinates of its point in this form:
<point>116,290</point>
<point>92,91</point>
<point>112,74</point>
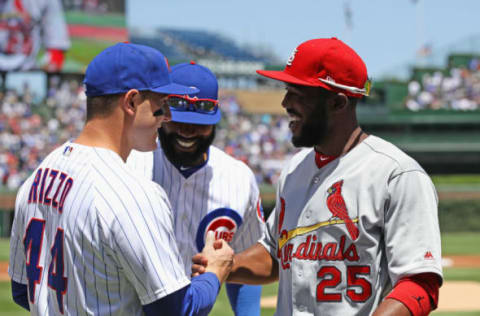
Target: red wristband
<point>419,293</point>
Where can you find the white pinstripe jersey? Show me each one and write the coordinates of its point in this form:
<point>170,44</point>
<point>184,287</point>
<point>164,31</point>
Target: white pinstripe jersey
<point>92,237</point>
<point>222,196</point>
<point>345,233</point>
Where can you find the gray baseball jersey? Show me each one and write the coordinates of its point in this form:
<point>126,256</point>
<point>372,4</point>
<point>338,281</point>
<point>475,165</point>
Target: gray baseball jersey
<point>222,196</point>
<point>26,26</point>
<point>345,233</point>
<point>92,237</point>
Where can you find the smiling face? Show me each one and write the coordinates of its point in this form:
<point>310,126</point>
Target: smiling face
<point>186,144</point>
<point>307,109</point>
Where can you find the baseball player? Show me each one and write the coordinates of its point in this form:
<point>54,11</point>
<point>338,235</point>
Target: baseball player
<point>89,235</point>
<point>355,228</point>
<point>208,189</point>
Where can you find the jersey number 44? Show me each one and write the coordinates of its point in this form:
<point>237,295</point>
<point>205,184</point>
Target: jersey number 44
<point>33,242</point>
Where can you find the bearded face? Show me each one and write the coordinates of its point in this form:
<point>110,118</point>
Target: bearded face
<point>312,130</point>
<point>307,109</point>
<point>186,144</point>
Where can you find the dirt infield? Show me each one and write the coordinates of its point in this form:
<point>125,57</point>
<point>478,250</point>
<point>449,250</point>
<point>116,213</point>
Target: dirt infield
<point>459,296</point>
<point>461,261</point>
<point>4,271</point>
<point>473,195</point>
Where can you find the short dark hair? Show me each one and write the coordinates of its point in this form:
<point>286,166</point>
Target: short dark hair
<point>103,105</point>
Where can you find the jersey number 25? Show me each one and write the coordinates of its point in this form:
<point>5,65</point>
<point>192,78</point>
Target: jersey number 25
<point>33,242</point>
<point>354,280</point>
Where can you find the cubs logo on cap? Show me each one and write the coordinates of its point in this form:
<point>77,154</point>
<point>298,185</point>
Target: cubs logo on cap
<point>224,222</point>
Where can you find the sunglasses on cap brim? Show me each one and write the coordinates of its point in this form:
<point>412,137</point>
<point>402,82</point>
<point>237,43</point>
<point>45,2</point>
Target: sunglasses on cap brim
<point>185,103</point>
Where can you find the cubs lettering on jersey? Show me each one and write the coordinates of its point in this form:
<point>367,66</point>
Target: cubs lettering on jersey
<point>332,225</point>
<point>224,222</point>
<point>91,237</point>
<point>222,196</point>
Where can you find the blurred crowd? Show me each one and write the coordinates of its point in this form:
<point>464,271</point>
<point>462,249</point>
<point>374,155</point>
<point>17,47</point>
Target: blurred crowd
<point>262,141</point>
<point>459,89</point>
<point>29,131</point>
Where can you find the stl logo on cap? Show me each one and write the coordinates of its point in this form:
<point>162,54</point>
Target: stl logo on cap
<point>292,57</point>
<point>224,222</point>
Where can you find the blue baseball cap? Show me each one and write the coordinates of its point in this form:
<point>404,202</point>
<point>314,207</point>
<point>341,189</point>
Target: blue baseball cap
<point>198,76</point>
<point>126,66</point>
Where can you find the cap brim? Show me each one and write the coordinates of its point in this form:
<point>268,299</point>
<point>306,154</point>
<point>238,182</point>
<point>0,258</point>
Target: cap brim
<point>193,117</point>
<point>175,88</point>
<point>283,76</point>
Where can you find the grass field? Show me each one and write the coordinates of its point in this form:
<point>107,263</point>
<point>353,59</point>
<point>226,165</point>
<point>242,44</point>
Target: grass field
<point>452,244</point>
<point>461,244</point>
<point>461,179</point>
<point>105,19</point>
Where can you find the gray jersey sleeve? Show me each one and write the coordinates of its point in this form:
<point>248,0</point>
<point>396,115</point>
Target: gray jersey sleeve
<point>412,234</point>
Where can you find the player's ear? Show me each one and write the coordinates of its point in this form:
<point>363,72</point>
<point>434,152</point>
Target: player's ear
<point>339,102</point>
<point>130,101</point>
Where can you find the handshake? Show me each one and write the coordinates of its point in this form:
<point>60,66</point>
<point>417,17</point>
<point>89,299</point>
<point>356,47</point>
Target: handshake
<point>216,257</point>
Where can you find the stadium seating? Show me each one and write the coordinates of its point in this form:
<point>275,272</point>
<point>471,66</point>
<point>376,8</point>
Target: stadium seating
<point>184,45</point>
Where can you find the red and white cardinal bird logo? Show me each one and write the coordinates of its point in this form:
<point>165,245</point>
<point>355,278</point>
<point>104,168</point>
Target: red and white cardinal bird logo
<point>336,205</point>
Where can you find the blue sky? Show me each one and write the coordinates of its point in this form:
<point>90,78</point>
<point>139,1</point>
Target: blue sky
<point>386,33</point>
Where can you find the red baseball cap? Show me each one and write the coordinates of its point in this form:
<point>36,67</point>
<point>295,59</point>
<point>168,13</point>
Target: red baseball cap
<point>328,63</point>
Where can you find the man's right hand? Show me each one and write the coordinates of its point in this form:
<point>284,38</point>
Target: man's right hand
<point>217,257</point>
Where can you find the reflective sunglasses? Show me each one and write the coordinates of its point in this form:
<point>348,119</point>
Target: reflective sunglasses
<point>185,103</point>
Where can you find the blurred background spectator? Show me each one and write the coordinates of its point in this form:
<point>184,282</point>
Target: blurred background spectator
<point>457,88</point>
<point>260,140</point>
<point>28,130</point>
